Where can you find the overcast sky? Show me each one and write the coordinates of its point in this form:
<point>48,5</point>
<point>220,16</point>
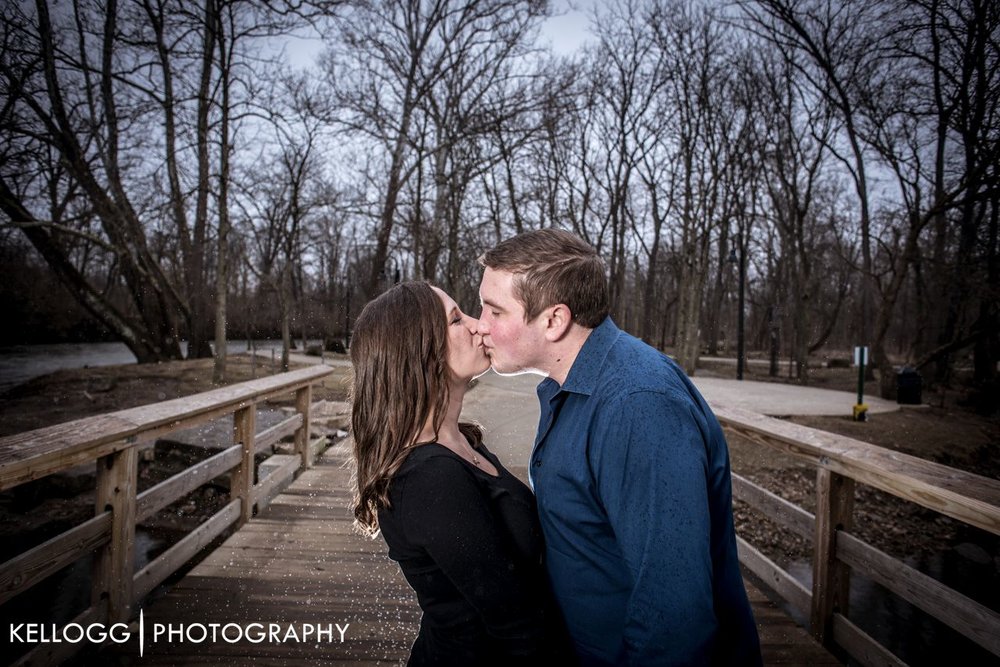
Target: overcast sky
<point>565,32</point>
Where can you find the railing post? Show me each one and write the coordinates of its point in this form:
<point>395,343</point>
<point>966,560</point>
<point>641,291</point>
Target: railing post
<point>831,578</point>
<point>303,402</point>
<point>244,432</point>
<point>114,562</point>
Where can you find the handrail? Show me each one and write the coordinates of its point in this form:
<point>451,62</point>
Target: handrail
<point>34,454</point>
<point>840,462</point>
<point>112,441</point>
<point>970,498</point>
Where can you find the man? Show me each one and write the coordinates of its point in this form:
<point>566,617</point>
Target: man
<point>630,467</point>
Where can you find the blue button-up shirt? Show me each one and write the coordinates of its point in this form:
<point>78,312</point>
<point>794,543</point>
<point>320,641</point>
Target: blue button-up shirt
<point>631,473</point>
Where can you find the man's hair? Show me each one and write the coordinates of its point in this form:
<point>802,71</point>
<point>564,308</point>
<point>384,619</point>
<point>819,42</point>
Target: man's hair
<point>553,266</point>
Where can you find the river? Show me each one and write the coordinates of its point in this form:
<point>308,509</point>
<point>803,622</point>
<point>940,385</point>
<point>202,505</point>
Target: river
<point>20,363</point>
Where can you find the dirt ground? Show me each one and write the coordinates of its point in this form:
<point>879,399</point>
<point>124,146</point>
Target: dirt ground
<point>942,431</point>
<point>35,511</point>
<point>71,394</point>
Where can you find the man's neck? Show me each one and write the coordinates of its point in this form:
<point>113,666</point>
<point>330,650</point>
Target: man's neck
<point>563,353</point>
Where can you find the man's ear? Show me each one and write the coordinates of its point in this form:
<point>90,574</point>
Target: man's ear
<point>558,319</point>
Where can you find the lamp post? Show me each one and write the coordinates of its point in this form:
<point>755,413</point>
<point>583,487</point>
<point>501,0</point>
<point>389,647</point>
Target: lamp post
<point>741,261</point>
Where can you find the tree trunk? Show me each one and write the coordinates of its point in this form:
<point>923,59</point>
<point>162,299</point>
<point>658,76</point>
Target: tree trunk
<point>222,260</point>
<point>284,299</point>
<point>194,263</point>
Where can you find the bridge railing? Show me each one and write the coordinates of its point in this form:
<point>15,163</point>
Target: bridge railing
<point>111,442</point>
<point>841,462</point>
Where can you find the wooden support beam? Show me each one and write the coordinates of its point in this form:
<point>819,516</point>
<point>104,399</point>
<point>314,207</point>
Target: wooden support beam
<point>153,500</point>
<point>303,403</point>
<point>24,571</point>
<point>176,556</point>
<point>271,436</point>
<point>963,614</point>
<point>775,508</point>
<point>244,427</point>
<point>831,577</point>
<point>861,647</point>
<point>114,563</point>
<point>778,580</point>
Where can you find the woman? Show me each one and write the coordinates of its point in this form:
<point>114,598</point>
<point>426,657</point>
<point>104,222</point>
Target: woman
<point>462,528</point>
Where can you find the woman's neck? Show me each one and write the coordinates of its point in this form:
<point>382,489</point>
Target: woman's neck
<point>448,432</point>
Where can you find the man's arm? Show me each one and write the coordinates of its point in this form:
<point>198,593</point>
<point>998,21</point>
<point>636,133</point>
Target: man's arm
<point>650,464</point>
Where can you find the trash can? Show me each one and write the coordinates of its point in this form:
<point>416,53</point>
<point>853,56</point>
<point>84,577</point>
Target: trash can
<point>909,386</point>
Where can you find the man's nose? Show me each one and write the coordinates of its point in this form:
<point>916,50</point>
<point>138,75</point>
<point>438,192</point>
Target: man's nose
<point>483,327</point>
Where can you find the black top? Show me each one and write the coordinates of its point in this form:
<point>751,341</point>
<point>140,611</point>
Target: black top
<point>471,547</point>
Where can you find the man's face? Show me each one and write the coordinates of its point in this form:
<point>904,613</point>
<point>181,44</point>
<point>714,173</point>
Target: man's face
<point>513,345</point>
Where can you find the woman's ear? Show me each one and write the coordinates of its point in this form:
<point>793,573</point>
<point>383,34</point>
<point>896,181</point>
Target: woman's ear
<point>558,319</point>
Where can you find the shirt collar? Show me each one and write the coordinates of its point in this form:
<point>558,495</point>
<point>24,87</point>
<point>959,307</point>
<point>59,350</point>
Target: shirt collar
<point>582,376</point>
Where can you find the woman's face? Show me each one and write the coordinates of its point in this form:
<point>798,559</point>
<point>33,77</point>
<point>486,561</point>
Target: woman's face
<point>466,356</point>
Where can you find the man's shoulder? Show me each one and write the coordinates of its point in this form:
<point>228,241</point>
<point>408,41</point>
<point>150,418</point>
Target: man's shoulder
<point>635,366</point>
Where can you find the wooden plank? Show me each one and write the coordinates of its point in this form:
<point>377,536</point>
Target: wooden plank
<point>774,507</point>
<point>276,433</point>
<point>977,622</point>
<point>861,646</point>
<point>278,477</point>
<point>781,582</point>
<point>970,498</point>
<point>303,403</point>
<point>114,562</point>
<point>25,570</point>
<point>152,500</point>
<point>831,578</point>
<point>33,454</point>
<point>151,576</point>
<point>316,447</point>
<point>782,641</point>
<point>300,560</point>
<point>245,428</point>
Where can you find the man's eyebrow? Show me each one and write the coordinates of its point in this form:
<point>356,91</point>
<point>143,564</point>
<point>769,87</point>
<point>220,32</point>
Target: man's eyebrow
<point>491,304</point>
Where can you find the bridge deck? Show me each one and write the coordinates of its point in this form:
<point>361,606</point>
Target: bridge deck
<point>300,564</point>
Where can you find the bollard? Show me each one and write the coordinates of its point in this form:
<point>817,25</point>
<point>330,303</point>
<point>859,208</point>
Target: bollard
<point>860,409</point>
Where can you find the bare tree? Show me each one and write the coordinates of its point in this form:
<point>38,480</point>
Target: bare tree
<point>839,43</point>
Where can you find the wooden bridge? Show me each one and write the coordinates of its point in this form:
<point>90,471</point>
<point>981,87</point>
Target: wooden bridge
<point>295,585</point>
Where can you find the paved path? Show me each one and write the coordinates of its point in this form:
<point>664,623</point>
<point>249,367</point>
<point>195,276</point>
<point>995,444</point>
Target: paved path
<point>508,409</point>
<point>767,398</point>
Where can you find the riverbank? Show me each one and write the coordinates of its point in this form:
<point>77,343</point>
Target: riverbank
<point>39,509</point>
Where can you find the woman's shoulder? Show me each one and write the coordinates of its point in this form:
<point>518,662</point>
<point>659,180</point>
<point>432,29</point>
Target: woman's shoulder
<point>431,461</point>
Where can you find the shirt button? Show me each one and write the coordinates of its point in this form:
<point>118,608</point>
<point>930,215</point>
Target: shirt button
<point>538,463</point>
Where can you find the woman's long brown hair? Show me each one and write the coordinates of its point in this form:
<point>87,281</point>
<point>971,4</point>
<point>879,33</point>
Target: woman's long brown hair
<point>399,352</point>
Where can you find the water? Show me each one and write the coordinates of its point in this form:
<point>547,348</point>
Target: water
<point>972,568</point>
<point>20,363</point>
<point>60,597</point>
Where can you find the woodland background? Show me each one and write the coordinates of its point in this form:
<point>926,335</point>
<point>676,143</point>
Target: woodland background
<point>167,174</point>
